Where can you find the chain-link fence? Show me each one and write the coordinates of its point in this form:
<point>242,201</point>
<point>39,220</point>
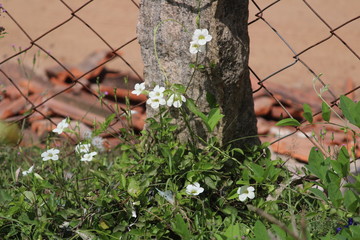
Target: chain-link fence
<point>76,14</point>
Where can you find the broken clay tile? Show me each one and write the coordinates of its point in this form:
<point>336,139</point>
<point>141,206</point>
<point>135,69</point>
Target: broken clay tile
<point>65,106</point>
<point>350,85</point>
<point>293,146</point>
<point>263,126</point>
<point>121,93</point>
<point>112,142</point>
<point>13,93</point>
<point>92,63</point>
<point>4,103</point>
<point>262,105</point>
<point>124,80</point>
<point>277,112</point>
<point>35,86</point>
<point>337,138</point>
<point>138,121</point>
<point>29,138</point>
<point>13,108</point>
<point>16,74</point>
<point>42,127</point>
<point>55,70</point>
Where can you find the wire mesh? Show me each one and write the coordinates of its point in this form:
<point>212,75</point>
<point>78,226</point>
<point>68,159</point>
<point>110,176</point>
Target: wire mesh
<point>262,15</point>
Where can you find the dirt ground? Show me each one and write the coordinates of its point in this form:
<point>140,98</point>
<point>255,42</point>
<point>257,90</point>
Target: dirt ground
<point>116,22</point>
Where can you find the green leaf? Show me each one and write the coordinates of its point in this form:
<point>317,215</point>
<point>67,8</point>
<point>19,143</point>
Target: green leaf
<point>4,196</point>
<point>335,195</point>
<point>258,172</point>
<point>103,225</point>
<point>355,231</point>
<point>181,228</point>
<point>30,195</point>
<point>103,126</point>
<point>351,110</point>
<point>260,231</point>
<point>326,113</point>
<point>134,188</point>
<point>210,98</point>
<point>211,184</point>
<point>180,88</point>
<point>318,193</point>
<point>342,164</point>
<point>317,164</point>
<point>351,201</point>
<point>213,118</point>
<point>279,232</point>
<point>308,113</point>
<point>288,122</point>
<point>233,194</point>
<point>192,107</point>
<point>122,183</point>
<point>234,231</point>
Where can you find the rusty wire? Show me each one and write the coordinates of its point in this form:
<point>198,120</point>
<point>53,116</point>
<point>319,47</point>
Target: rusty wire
<point>260,16</point>
<point>297,56</point>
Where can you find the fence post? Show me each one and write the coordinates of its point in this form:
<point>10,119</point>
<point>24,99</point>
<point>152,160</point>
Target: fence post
<point>228,53</point>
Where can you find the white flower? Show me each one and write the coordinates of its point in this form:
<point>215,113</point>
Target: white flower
<point>176,100</point>
<point>168,195</point>
<point>30,170</point>
<point>157,92</point>
<point>50,154</point>
<point>87,134</point>
<point>195,47</point>
<point>83,148</point>
<point>139,88</point>
<point>61,126</point>
<point>194,189</point>
<point>64,225</point>
<point>98,143</point>
<point>201,36</point>
<point>156,102</point>
<point>246,192</point>
<point>88,157</point>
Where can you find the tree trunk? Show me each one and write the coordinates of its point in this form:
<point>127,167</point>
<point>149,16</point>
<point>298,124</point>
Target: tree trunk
<point>228,52</point>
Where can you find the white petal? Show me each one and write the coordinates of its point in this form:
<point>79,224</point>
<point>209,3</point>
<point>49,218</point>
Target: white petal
<point>251,195</point>
<point>251,189</point>
<point>183,98</point>
<point>197,32</point>
<point>170,100</point>
<point>155,105</point>
<point>242,197</point>
<point>177,104</point>
<point>162,101</point>
<point>202,41</point>
<point>204,31</point>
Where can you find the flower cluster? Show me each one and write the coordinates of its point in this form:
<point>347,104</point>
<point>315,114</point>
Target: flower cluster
<point>244,192</point>
<point>157,97</point>
<point>199,40</point>
<point>85,148</point>
<point>81,148</point>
